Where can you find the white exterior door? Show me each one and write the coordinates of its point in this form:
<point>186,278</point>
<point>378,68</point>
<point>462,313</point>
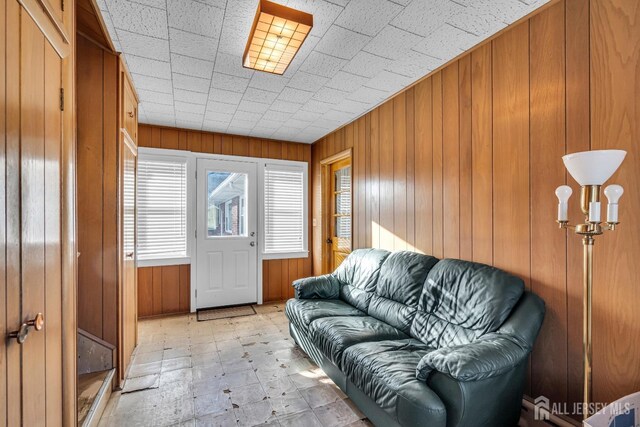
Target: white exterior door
<point>227,265</point>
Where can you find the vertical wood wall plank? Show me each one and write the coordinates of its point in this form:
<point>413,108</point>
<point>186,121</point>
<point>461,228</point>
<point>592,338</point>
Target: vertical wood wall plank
<point>438,225</point>
<point>399,177</point>
<point>482,154</point>
<point>424,166</point>
<point>466,207</point>
<point>548,244</point>
<point>451,160</point>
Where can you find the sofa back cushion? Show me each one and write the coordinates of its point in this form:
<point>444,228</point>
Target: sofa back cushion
<point>462,301</point>
<point>400,284</point>
<point>358,275</point>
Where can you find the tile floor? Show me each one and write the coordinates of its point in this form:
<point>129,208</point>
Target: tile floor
<point>243,371</point>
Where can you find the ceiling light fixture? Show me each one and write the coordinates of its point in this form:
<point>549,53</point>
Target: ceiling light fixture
<point>276,36</point>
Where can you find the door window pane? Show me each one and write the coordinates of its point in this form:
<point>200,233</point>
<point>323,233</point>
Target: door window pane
<point>226,207</point>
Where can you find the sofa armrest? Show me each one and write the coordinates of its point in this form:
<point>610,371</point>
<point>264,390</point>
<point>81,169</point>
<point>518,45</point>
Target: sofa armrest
<point>319,287</point>
<point>488,357</point>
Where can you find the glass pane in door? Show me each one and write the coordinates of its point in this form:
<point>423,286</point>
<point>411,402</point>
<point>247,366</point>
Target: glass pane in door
<point>226,204</point>
<point>342,213</point>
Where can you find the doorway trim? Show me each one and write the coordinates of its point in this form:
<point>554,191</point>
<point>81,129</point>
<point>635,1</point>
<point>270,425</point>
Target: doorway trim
<point>325,165</point>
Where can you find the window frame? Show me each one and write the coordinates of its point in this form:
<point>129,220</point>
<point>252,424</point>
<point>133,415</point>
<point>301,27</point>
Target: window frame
<point>161,154</point>
<point>285,165</point>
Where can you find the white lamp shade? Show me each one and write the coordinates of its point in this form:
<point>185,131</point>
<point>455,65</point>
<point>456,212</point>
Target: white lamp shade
<point>593,167</point>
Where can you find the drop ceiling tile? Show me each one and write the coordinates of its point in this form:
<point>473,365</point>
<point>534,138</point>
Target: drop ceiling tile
<point>149,67</point>
<point>272,116</point>
<point>324,13</point>
<point>247,116</point>
<point>350,106</point>
<point>307,116</point>
<point>307,47</point>
<point>188,124</point>
<point>337,116</point>
<point>153,109</point>
<point>217,116</point>
<point>295,123</point>
<point>342,43</point>
<point>366,64</point>
<point>240,128</point>
<point>389,82</point>
<point>392,43</point>
<point>238,18</point>
<point>368,16</point>
<point>447,42</point>
<point>194,84</point>
<point>477,23</point>
<point>346,82</point>
<point>144,46</point>
<point>111,29</point>
<point>414,64</point>
<point>285,106</point>
<point>188,96</point>
<point>268,81</point>
<point>316,106</point>
<point>329,95</point>
<point>191,66</point>
<point>259,95</point>
<point>369,95</point>
<point>232,64</point>
<point>224,96</point>
<point>260,133</point>
<point>155,97</point>
<point>193,45</point>
<point>160,4</point>
<point>151,83</point>
<point>322,65</point>
<point>253,107</point>
<point>138,18</point>
<point>424,17</point>
<point>195,17</point>
<point>306,81</point>
<point>187,107</point>
<point>290,94</point>
<point>221,107</point>
<point>229,82</point>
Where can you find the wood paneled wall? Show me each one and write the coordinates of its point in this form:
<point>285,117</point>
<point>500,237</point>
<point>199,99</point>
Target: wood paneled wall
<point>277,275</point>
<point>465,163</point>
<point>97,209</point>
<point>164,290</point>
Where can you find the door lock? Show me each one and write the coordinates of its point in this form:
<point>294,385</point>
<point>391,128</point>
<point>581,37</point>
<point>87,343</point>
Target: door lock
<point>21,334</point>
<point>329,240</point>
<point>253,233</point>
<point>252,244</point>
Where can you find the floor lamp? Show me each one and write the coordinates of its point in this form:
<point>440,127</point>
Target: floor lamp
<point>591,169</point>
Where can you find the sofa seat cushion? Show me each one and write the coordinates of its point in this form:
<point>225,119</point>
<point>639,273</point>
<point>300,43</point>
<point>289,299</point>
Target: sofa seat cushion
<point>301,312</point>
<point>332,335</point>
<point>386,372</point>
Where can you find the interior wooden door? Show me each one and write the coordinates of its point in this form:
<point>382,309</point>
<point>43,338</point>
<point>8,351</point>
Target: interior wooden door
<point>33,354</point>
<point>129,294</point>
<point>340,211</point>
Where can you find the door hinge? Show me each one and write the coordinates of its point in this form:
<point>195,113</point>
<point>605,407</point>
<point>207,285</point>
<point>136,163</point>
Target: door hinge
<point>195,233</point>
<point>196,293</point>
<point>61,99</point>
<point>62,5</point>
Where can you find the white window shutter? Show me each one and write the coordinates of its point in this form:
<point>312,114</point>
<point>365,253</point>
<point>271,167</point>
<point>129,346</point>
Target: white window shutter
<point>284,211</point>
<point>162,207</point>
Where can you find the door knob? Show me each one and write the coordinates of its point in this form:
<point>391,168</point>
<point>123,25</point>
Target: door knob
<point>21,334</point>
<point>252,244</point>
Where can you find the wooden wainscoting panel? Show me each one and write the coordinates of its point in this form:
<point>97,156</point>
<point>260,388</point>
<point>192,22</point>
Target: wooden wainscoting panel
<point>164,290</point>
<point>451,161</point>
<point>424,167</point>
<point>399,177</point>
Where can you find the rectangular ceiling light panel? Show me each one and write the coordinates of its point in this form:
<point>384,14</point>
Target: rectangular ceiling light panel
<point>276,36</point>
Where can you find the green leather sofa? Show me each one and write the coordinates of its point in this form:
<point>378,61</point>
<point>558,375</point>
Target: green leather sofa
<point>417,341</point>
